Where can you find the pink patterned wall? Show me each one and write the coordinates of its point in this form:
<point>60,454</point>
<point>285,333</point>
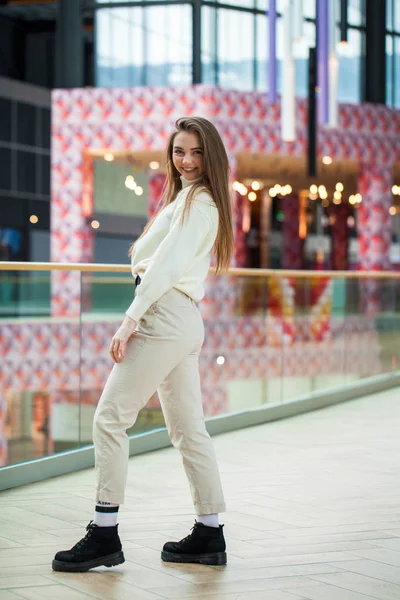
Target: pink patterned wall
<point>142,118</point>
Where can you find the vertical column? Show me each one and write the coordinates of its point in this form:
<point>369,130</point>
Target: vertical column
<point>340,237</point>
<point>69,44</point>
<point>374,222</point>
<point>292,244</point>
<point>374,232</point>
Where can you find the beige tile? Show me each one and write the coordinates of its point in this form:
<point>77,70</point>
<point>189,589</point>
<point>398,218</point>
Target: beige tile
<point>379,590</point>
<point>272,595</point>
<point>104,585</point>
<point>331,592</point>
<point>303,518</point>
<point>50,592</point>
<point>382,555</point>
<point>21,580</point>
<point>209,590</point>
<point>372,569</point>
<point>8,595</point>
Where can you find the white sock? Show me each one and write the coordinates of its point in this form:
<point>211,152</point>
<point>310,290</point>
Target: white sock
<point>106,514</point>
<point>208,520</point>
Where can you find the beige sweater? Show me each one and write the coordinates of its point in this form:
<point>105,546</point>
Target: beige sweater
<point>172,254</point>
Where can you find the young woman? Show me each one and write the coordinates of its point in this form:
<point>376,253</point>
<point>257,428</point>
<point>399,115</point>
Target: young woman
<point>157,347</point>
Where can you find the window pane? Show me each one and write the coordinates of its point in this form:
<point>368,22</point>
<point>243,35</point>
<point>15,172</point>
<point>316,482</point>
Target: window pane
<point>5,120</point>
<point>245,3</point>
<point>45,128</point>
<point>262,53</point>
<point>301,54</point>
<point>262,4</point>
<point>168,55</point>
<point>104,72</point>
<point>350,67</point>
<point>355,12</point>
<point>389,70</point>
<point>208,45</point>
<point>235,49</point>
<point>396,19</point>
<point>139,46</point>
<point>26,171</point>
<point>309,8</point>
<point>26,124</point>
<point>389,14</point>
<point>5,171</point>
<point>396,82</point>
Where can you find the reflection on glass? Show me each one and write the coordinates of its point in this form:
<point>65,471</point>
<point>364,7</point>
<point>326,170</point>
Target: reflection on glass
<point>40,364</point>
<point>209,45</point>
<point>138,46</point>
<point>349,68</point>
<point>262,53</point>
<point>235,49</point>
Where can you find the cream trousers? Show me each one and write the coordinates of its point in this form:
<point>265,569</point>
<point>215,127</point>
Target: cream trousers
<point>162,355</point>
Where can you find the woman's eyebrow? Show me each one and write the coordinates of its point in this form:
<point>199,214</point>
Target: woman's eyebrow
<point>179,148</point>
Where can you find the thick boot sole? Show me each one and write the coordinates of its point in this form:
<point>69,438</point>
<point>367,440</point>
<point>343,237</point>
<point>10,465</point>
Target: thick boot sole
<point>111,560</point>
<point>213,558</point>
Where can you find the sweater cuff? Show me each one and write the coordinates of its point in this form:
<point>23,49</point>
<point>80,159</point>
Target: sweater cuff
<point>138,307</point>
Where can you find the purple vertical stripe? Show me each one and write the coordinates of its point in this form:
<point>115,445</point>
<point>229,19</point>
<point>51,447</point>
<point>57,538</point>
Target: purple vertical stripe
<point>273,96</point>
<point>323,50</point>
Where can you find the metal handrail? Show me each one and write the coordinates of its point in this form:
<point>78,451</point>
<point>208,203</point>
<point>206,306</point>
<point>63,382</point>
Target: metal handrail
<point>235,272</point>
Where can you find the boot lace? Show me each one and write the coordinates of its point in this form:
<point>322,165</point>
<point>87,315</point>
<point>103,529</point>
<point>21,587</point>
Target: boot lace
<point>85,539</point>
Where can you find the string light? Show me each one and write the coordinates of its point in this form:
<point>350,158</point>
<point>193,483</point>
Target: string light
<point>154,165</point>
<point>33,219</point>
<point>313,189</point>
<point>109,157</point>
<point>351,221</point>
<point>252,196</point>
<point>272,192</point>
<point>95,224</point>
<point>396,190</point>
<point>352,199</point>
<point>240,188</point>
<point>340,187</point>
<point>358,198</point>
<point>287,189</point>
<point>138,190</point>
<point>392,210</point>
<point>220,360</point>
<point>256,185</point>
<point>327,160</point>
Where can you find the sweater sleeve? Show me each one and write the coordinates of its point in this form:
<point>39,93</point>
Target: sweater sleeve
<point>173,257</point>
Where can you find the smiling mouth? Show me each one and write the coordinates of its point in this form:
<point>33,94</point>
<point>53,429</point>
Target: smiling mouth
<point>189,170</point>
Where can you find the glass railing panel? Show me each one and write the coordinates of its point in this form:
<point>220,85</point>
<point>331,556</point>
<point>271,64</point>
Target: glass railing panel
<point>239,368</point>
<point>40,364</point>
<point>372,327</point>
<point>314,340</point>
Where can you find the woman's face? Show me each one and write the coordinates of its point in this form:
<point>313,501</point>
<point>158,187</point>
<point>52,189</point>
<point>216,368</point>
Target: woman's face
<point>187,155</point>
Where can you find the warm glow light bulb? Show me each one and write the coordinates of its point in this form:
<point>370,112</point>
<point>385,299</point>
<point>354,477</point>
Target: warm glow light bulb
<point>255,186</point>
<point>313,189</point>
<point>392,210</point>
<point>154,165</point>
<point>33,219</point>
<point>272,192</point>
<point>287,189</point>
<point>220,360</point>
<point>327,160</point>
<point>139,190</point>
<point>109,157</point>
<point>95,224</point>
<point>337,195</point>
<point>252,196</point>
<point>340,187</point>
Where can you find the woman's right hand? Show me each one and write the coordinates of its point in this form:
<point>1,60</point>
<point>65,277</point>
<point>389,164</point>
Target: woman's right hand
<point>120,339</point>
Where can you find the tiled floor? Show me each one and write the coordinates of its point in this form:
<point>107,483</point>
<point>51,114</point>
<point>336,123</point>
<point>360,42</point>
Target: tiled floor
<point>314,513</point>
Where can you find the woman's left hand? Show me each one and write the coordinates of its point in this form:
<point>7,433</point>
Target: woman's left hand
<point>120,339</point>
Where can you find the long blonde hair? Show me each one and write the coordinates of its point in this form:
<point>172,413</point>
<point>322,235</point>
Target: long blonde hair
<point>215,180</point>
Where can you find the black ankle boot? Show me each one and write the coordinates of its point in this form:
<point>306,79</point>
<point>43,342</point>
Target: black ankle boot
<point>205,545</point>
<point>101,546</point>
